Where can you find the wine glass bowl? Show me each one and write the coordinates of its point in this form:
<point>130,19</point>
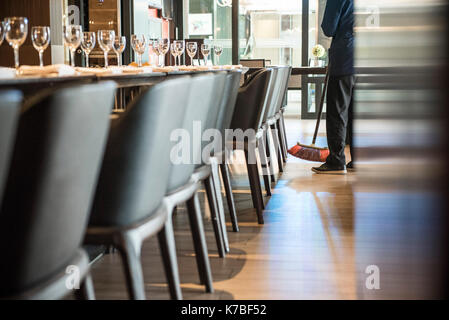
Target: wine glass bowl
<point>205,50</point>
<point>138,44</point>
<point>218,50</point>
<point>88,44</point>
<point>16,31</point>
<point>40,37</point>
<point>106,40</point>
<point>119,46</point>
<point>72,39</point>
<point>192,49</point>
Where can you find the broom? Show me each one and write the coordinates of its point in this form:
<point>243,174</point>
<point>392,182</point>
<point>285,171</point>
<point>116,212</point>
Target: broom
<point>313,152</point>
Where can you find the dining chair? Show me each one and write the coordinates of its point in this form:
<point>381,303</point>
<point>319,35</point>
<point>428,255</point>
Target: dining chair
<point>54,170</point>
<point>271,117</point>
<point>223,123</point>
<point>248,114</point>
<point>208,170</point>
<point>129,204</point>
<point>10,102</point>
<point>182,187</point>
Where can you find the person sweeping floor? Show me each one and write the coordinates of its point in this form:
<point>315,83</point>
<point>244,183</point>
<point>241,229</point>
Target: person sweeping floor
<point>338,23</point>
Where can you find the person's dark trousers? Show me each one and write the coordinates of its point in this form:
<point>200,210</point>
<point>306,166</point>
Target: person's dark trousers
<point>339,117</point>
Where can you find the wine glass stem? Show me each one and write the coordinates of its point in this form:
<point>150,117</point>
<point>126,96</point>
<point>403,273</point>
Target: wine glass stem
<point>87,60</point>
<point>139,59</point>
<point>118,60</point>
<point>106,59</point>
<point>218,60</point>
<point>41,58</point>
<point>72,57</point>
<point>16,57</point>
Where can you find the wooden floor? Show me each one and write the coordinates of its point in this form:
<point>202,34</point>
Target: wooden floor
<point>320,235</point>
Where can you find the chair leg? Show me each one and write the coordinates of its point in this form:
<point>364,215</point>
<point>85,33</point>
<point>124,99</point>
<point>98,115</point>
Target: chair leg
<point>268,152</point>
<point>229,196</point>
<point>86,291</point>
<point>265,164</point>
<point>217,186</point>
<point>166,239</point>
<point>281,140</point>
<point>284,130</point>
<point>199,242</point>
<point>275,136</point>
<point>208,183</point>
<point>256,190</point>
<point>130,246</point>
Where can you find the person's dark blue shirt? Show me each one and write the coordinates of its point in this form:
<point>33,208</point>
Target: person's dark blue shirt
<point>338,23</point>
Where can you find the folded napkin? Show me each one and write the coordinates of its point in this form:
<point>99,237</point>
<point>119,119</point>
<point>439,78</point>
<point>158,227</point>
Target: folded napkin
<point>7,73</point>
<point>51,70</point>
<point>100,71</point>
<point>136,70</point>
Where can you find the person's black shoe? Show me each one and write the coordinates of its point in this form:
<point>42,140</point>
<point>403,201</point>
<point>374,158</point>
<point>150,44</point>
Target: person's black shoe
<point>327,169</point>
<point>350,167</point>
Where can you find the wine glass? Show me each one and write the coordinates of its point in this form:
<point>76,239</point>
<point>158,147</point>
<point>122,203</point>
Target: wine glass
<point>205,50</point>
<point>174,52</point>
<point>138,45</point>
<point>2,32</point>
<point>180,48</point>
<point>40,37</point>
<point>164,46</point>
<point>106,40</point>
<point>192,49</point>
<point>16,31</point>
<point>72,39</point>
<point>218,50</point>
<point>88,44</point>
<point>118,47</point>
<point>154,47</point>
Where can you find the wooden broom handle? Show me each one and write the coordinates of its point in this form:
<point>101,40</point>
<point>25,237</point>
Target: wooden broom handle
<point>320,111</point>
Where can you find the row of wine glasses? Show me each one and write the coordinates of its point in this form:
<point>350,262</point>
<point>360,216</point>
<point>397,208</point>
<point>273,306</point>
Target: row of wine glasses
<point>75,37</point>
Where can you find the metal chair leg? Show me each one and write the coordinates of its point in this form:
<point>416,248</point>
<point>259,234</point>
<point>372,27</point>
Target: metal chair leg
<point>229,196</point>
<point>268,152</point>
<point>130,246</point>
<point>275,136</point>
<point>256,190</point>
<point>264,164</point>
<point>166,239</point>
<point>199,242</point>
<point>86,291</point>
<point>208,183</point>
<point>217,186</point>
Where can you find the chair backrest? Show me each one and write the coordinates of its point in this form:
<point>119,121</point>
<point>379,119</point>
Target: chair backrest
<point>54,169</point>
<point>228,102</point>
<point>271,96</point>
<point>285,81</point>
<point>136,167</point>
<point>279,90</point>
<point>9,115</point>
<point>197,106</point>
<point>251,101</point>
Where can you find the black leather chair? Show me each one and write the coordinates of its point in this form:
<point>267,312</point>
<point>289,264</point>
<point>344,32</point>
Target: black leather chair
<point>54,170</point>
<point>274,117</point>
<point>129,203</point>
<point>10,102</point>
<point>208,172</point>
<point>223,123</point>
<point>182,188</point>
<point>248,114</point>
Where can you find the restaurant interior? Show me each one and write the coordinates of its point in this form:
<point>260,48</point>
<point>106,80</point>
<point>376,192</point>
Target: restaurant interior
<point>146,152</point>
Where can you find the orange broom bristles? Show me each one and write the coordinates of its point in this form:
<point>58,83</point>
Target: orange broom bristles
<point>309,153</point>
